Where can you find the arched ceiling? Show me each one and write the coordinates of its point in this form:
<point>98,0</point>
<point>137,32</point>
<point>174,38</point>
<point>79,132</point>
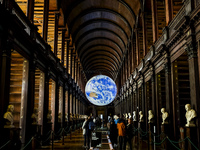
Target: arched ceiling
<point>100,30</point>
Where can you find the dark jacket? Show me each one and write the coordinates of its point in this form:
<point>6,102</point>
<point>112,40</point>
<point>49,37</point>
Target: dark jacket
<point>130,131</point>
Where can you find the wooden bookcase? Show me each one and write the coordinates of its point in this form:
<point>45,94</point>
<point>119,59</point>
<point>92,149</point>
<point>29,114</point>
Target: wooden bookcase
<point>19,90</point>
<point>16,75</point>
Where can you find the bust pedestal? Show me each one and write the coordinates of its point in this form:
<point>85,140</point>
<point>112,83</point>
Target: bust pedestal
<point>150,133</point>
<point>191,132</point>
<point>164,132</point>
<point>141,126</point>
<point>47,129</point>
<point>12,134</point>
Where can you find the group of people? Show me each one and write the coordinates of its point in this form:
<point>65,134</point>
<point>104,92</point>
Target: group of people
<point>88,127</point>
<point>121,132</point>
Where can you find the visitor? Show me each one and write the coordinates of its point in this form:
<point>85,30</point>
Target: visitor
<point>89,128</point>
<point>113,133</point>
<point>121,126</point>
<point>84,132</point>
<point>130,132</point>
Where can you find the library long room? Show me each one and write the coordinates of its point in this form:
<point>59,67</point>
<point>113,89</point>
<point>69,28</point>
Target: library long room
<point>100,74</point>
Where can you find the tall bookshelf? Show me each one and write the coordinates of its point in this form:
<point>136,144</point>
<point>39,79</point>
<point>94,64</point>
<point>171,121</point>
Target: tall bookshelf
<point>16,75</point>
<point>18,90</point>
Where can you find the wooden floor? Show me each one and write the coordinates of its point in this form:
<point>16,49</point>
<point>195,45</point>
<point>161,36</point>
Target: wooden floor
<point>76,143</point>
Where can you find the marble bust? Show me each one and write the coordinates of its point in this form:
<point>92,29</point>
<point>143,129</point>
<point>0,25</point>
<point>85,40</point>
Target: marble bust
<point>35,116</point>
<point>141,116</point>
<point>59,117</point>
<point>9,117</point>
<point>129,115</point>
<point>165,115</point>
<point>66,116</point>
<point>49,116</point>
<point>134,115</point>
<point>151,116</point>
<point>190,114</point>
<point>126,116</point>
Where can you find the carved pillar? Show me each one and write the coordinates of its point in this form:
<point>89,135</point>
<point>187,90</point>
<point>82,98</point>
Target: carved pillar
<point>56,33</point>
<point>168,11</point>
<point>191,50</point>
<point>45,20</point>
<point>67,56</point>
<point>154,20</point>
<point>71,55</point>
<point>4,76</point>
<point>155,104</point>
<point>168,89</point>
<point>63,46</point>
<point>57,127</point>
<point>137,47</point>
<point>46,102</point>
<point>30,10</point>
<point>63,108</point>
<point>31,97</point>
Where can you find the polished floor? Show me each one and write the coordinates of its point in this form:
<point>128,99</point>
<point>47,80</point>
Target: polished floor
<point>76,143</point>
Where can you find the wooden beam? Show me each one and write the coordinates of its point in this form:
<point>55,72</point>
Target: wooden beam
<point>30,10</point>
<point>154,20</point>
<point>168,11</point>
<point>45,20</point>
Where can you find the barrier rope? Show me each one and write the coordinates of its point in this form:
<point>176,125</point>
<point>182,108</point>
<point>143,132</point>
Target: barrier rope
<point>192,143</point>
<point>5,144</point>
<point>27,144</point>
<point>173,144</point>
<point>143,133</point>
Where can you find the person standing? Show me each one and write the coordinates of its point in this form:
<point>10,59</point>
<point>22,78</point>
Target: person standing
<point>84,131</point>
<point>130,132</point>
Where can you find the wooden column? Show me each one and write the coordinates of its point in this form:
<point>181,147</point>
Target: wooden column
<point>74,70</point>
<point>137,47</point>
<point>67,56</point>
<point>56,33</point>
<point>133,49</point>
<point>57,127</point>
<point>191,50</point>
<point>168,89</point>
<point>46,102</point>
<point>63,108</point>
<point>154,20</point>
<point>154,104</point>
<point>144,31</point>
<point>31,97</point>
<point>30,10</point>
<point>69,93</point>
<point>45,20</point>
<point>5,77</point>
<point>71,56</point>
<point>63,46</point>
<point>168,11</point>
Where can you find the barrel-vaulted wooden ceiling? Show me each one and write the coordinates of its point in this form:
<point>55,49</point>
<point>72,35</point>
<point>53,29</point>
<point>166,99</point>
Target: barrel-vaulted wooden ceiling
<point>100,30</point>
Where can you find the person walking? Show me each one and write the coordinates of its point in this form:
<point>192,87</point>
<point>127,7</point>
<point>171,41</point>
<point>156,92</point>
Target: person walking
<point>84,132</point>
<point>130,132</point>
<point>121,126</point>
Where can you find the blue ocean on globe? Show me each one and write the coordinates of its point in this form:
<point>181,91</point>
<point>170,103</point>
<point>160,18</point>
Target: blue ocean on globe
<point>101,90</point>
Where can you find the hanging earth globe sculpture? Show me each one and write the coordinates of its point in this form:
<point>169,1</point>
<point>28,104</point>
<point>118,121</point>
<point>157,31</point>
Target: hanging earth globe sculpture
<point>101,90</point>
